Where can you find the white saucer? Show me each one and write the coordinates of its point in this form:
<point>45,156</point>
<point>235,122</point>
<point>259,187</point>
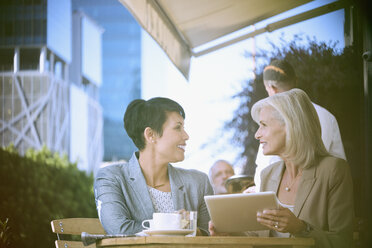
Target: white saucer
<point>176,232</point>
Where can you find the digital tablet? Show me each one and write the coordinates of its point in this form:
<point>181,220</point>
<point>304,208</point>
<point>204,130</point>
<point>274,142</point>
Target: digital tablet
<point>238,212</point>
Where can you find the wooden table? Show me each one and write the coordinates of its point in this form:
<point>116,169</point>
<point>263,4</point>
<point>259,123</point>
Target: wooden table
<point>203,242</point>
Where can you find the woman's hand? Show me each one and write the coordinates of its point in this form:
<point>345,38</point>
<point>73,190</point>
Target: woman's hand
<point>281,220</point>
<point>213,232</point>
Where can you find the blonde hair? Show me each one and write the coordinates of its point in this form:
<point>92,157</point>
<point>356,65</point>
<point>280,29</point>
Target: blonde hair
<point>303,132</point>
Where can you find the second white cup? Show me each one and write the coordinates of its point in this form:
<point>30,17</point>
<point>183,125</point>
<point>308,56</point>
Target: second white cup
<point>163,221</point>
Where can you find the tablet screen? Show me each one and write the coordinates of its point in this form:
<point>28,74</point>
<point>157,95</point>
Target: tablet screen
<point>238,212</point>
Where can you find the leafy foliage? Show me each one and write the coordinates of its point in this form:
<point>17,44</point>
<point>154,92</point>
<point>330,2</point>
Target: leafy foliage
<point>331,78</point>
<point>40,187</point>
<point>5,234</point>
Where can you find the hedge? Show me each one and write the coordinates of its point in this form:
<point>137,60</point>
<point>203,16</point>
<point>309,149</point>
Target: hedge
<point>35,189</point>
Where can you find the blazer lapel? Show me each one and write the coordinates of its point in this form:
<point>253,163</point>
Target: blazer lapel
<point>177,189</point>
<point>275,177</point>
<point>138,183</point>
<point>306,183</point>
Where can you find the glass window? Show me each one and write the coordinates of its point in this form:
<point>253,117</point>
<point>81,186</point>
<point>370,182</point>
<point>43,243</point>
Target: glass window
<point>29,58</point>
<point>6,59</point>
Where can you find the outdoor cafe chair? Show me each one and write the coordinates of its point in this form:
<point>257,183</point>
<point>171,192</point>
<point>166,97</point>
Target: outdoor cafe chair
<point>75,226</point>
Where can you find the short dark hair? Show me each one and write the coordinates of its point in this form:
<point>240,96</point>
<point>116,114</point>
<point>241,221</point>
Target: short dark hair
<point>281,71</point>
<point>152,113</point>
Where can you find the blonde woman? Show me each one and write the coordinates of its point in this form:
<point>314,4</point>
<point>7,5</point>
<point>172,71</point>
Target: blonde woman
<point>314,189</point>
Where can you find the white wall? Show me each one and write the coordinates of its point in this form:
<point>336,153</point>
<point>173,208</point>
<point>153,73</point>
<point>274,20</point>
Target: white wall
<point>91,42</point>
<point>79,127</point>
<point>59,18</point>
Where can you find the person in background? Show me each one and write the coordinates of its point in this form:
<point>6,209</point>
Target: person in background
<point>278,77</point>
<point>314,188</point>
<point>128,193</point>
<point>219,172</point>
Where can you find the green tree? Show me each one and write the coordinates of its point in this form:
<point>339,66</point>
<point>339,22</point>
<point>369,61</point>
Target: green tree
<point>37,188</point>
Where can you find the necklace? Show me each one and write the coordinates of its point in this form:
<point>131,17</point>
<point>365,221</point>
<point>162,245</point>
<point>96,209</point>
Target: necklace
<point>288,187</point>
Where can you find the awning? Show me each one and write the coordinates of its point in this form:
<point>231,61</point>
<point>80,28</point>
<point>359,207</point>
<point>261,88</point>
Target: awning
<point>180,26</point>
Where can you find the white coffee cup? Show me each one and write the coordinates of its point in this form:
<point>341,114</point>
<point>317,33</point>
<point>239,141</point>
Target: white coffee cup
<point>163,221</point>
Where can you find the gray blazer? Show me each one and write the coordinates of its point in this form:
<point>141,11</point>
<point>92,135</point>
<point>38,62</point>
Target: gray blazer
<point>324,199</point>
<point>123,200</point>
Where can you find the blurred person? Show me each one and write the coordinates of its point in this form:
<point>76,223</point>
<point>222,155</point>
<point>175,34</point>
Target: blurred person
<point>219,172</point>
<point>279,76</point>
<point>314,188</point>
<point>128,193</point>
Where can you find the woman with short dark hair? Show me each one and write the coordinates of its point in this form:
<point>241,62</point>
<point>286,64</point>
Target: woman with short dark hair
<point>128,193</point>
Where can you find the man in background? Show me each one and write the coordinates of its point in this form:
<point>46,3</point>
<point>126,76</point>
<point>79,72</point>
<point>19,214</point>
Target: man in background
<point>278,77</point>
<point>220,171</point>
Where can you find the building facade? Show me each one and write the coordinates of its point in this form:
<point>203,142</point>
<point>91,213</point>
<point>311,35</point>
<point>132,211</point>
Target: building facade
<point>121,70</point>
<point>37,92</point>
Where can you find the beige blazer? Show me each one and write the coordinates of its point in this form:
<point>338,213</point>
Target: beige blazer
<point>324,199</point>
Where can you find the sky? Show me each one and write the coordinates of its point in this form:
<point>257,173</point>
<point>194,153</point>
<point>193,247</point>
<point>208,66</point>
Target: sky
<point>215,78</point>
